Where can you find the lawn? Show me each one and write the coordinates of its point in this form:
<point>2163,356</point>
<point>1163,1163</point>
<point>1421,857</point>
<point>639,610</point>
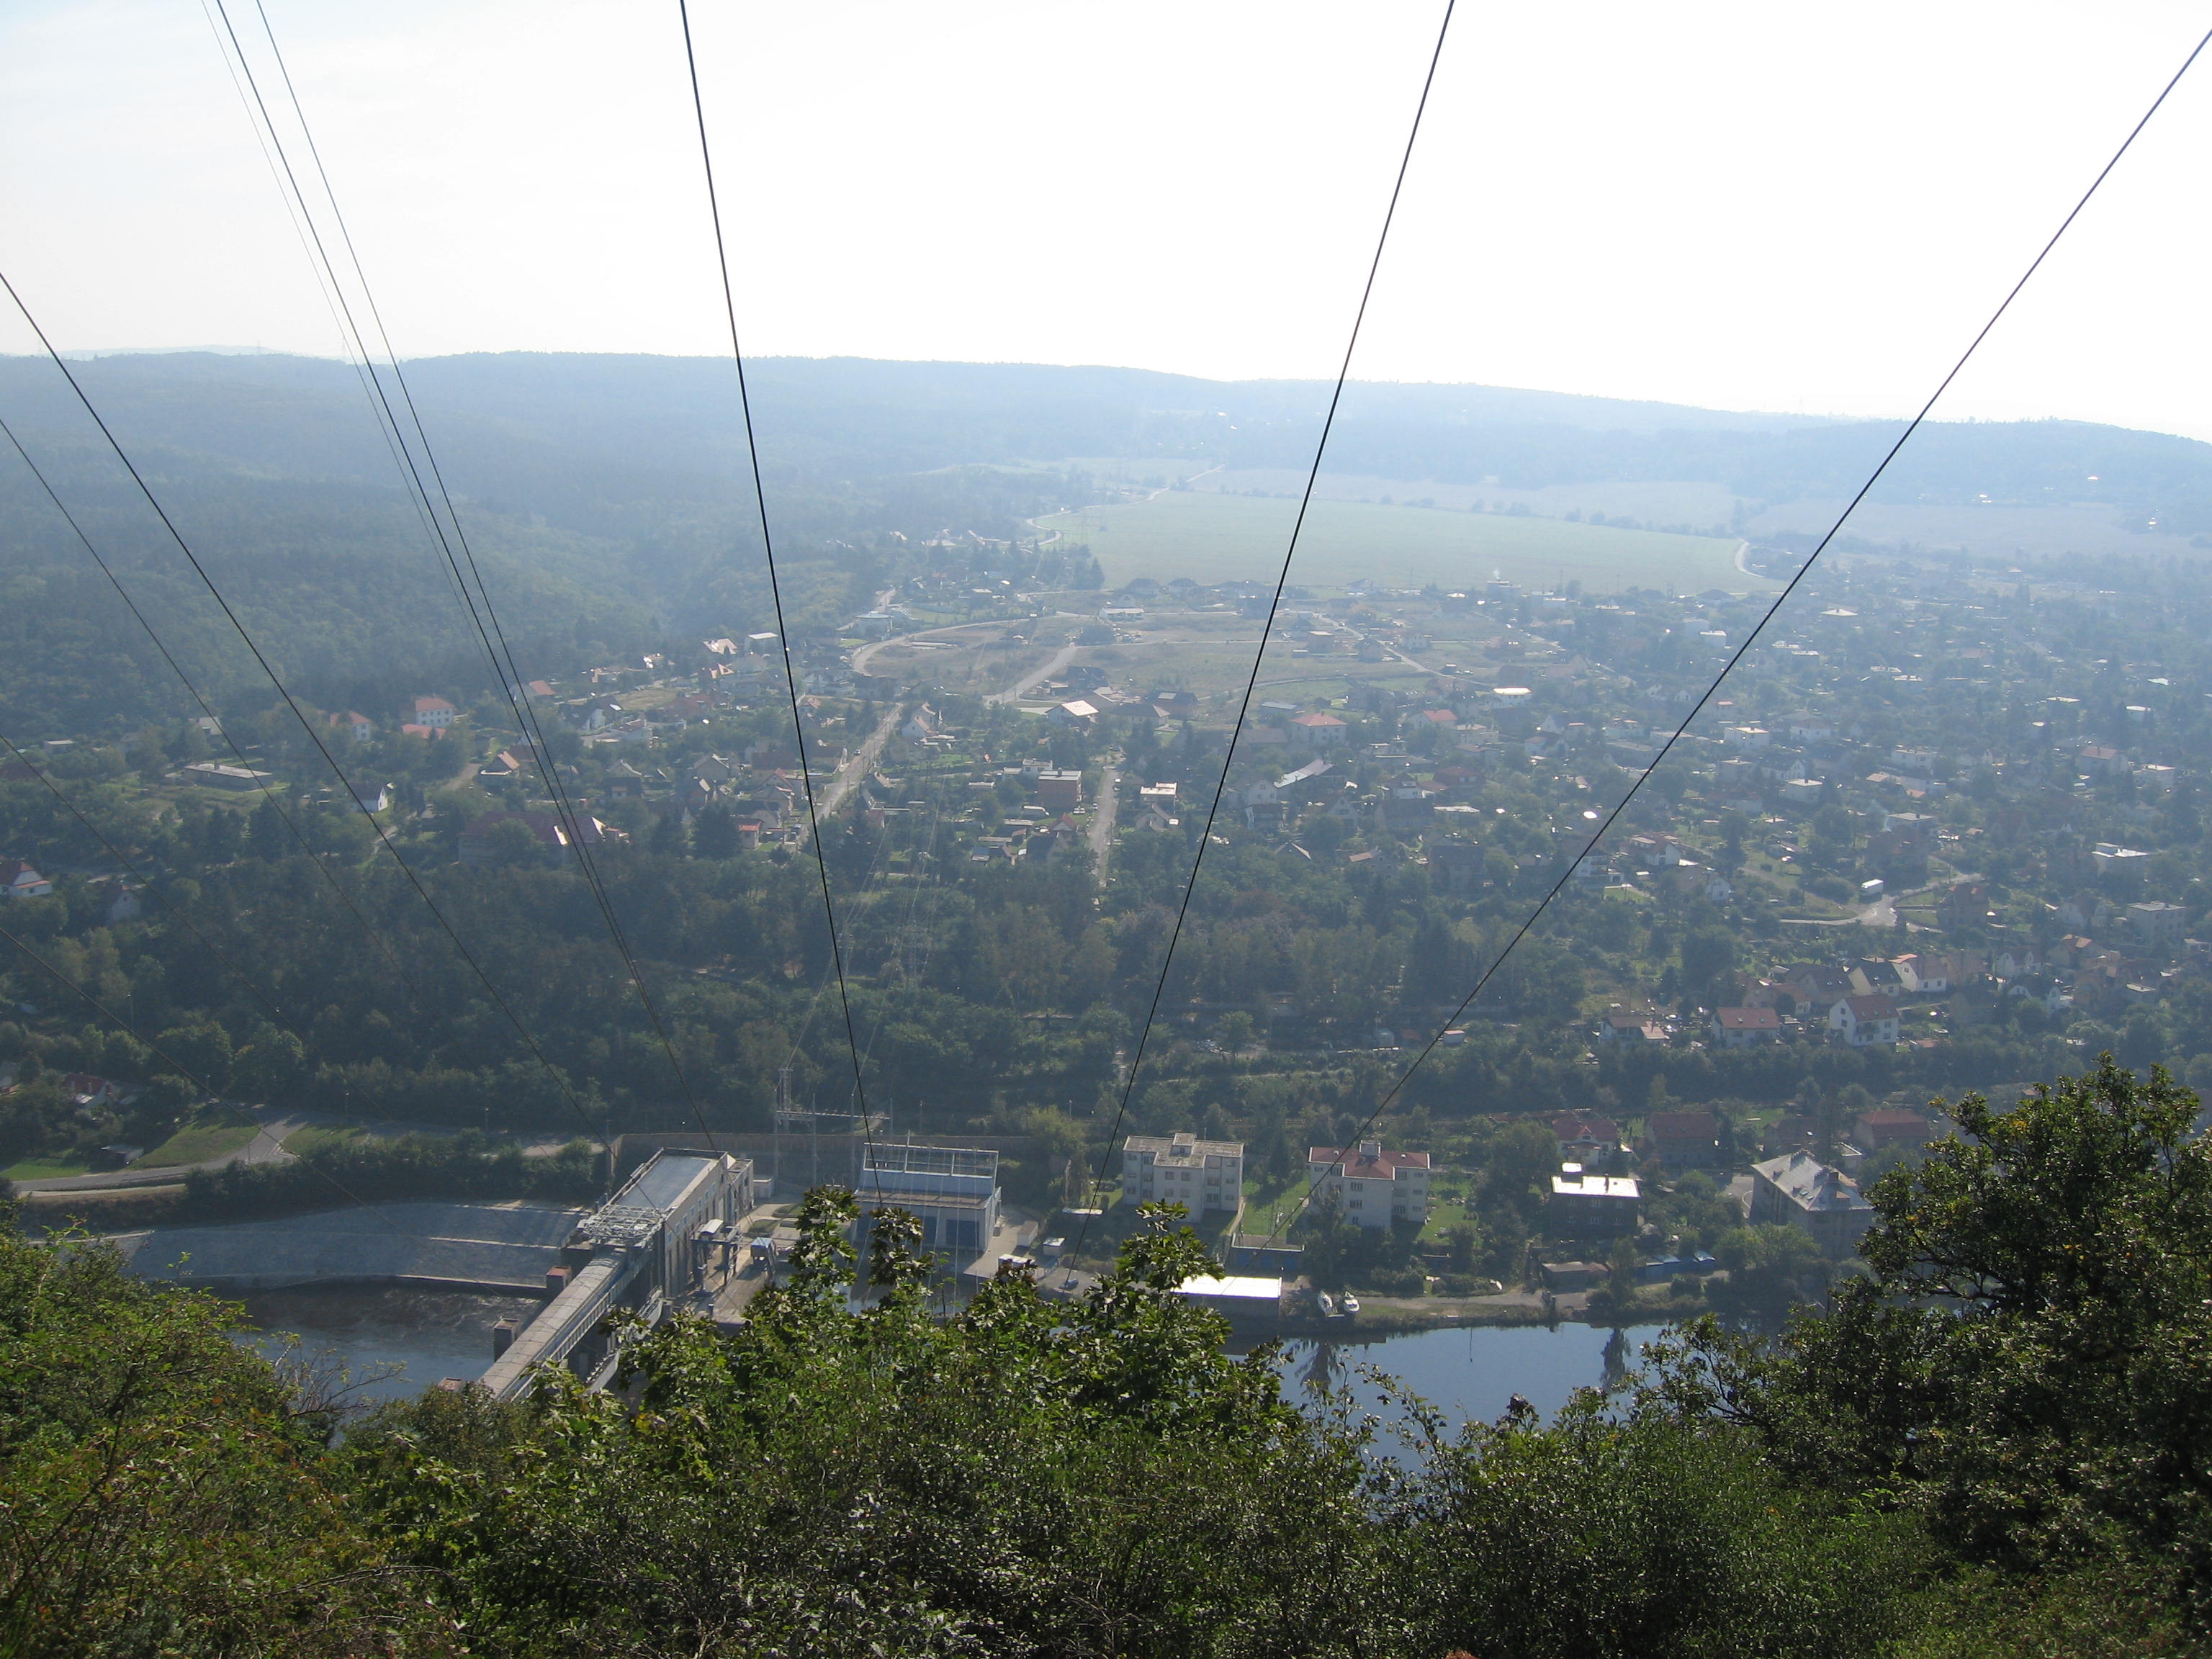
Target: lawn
<point>1218,538</point>
<point>42,1169</point>
<point>200,1141</point>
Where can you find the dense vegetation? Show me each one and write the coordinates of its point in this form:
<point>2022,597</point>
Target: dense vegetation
<point>1995,1442</point>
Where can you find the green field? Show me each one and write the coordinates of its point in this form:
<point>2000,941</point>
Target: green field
<point>1216,538</point>
<point>197,1142</point>
<point>42,1169</point>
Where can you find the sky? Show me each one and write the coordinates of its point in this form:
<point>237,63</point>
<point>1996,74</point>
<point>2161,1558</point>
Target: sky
<point>1792,208</point>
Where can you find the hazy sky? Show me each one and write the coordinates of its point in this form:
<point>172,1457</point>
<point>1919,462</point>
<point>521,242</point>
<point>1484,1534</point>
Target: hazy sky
<point>1740,205</point>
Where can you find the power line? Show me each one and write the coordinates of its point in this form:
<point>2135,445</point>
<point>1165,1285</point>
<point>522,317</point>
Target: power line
<point>1274,603</point>
<point>213,721</point>
<point>774,587</point>
<point>1752,638</point>
<point>505,670</point>
<point>383,836</point>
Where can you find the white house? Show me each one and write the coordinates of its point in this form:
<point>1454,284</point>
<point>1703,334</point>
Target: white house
<point>1320,729</point>
<point>435,713</point>
<point>19,880</point>
<point>1864,1021</point>
<point>1800,1191</point>
<point>1373,1187</point>
<point>1200,1175</point>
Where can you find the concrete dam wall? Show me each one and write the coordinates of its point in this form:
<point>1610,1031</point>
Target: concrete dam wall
<point>497,1247</point>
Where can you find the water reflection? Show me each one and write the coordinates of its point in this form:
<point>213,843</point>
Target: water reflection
<point>395,1341</point>
<point>1472,1374</point>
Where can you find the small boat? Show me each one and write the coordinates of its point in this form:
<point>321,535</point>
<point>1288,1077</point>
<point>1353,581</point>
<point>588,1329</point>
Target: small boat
<point>1351,1304</point>
<point>1326,1304</point>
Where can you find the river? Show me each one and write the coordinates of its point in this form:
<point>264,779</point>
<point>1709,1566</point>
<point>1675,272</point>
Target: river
<point>1470,1374</point>
<point>398,1342</point>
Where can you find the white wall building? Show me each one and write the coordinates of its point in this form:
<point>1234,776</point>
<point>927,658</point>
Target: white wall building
<point>1373,1187</point>
<point>1199,1175</point>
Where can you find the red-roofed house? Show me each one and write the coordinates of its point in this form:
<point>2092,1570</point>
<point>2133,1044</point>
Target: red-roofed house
<point>1685,1140</point>
<point>1375,1187</point>
<point>1887,1125</point>
<point>1741,1027</point>
<point>434,711</point>
<point>1320,729</point>
<point>1865,1021</point>
<point>19,880</point>
<point>1581,1136</point>
<point>90,1091</point>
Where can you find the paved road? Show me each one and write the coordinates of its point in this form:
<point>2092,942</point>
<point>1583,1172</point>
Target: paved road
<point>267,1147</point>
<point>1058,661</point>
<point>857,765</point>
<point>1882,913</point>
<point>1102,821</point>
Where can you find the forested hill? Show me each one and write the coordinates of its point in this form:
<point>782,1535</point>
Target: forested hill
<point>611,500</point>
<point>588,441</point>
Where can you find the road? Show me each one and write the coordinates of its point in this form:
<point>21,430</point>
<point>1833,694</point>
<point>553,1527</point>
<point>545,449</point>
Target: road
<point>1102,821</point>
<point>1882,913</point>
<point>1058,661</point>
<point>267,1147</point>
<point>857,765</point>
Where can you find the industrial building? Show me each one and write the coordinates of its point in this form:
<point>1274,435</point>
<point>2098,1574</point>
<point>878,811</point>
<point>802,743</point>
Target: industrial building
<point>953,1191</point>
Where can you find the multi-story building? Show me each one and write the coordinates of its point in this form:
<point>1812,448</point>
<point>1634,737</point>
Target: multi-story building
<point>1600,1205</point>
<point>1865,1021</point>
<point>1800,1191</point>
<point>1201,1176</point>
<point>953,1191</point>
<point>1373,1186</point>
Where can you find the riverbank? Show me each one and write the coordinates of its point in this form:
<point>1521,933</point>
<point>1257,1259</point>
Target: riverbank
<point>1393,1316</point>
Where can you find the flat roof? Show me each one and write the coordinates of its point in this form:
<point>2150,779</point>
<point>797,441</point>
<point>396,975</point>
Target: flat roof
<point>900,1158</point>
<point>1236,1287</point>
<point>664,1180</point>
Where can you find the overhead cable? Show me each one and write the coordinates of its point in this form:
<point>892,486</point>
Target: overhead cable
<point>383,836</point>
<point>484,618</point>
<point>1274,603</point>
<point>775,591</point>
<point>1749,640</point>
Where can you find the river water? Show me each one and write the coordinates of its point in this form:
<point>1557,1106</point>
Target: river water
<point>1468,1375</point>
<point>395,1340</point>
<point>398,1342</point>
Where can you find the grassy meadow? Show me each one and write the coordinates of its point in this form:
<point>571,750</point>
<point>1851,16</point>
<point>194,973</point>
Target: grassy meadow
<point>1217,537</point>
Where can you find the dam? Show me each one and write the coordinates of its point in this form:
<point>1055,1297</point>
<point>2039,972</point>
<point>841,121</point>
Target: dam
<point>644,1250</point>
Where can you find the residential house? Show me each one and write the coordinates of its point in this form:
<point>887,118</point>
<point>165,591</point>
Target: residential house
<point>357,728</point>
<point>1202,1175</point>
<point>1373,1186</point>
<point>1059,792</point>
<point>1864,1022</point>
<point>19,880</point>
<point>434,711</point>
<point>1684,1140</point>
<point>1798,1190</point>
<point>1746,1028</point>
<point>1604,1207</point>
<point>1583,1136</point>
<point>2159,925</point>
<point>1816,988</point>
<point>1889,1126</point>
<point>1322,730</point>
<point>215,774</point>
